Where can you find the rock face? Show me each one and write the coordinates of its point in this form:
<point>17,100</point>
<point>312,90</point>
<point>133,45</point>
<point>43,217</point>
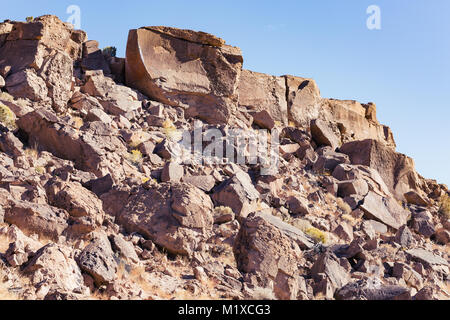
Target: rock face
<point>258,92</point>
<point>44,68</point>
<point>397,170</point>
<point>185,68</point>
<point>177,217</point>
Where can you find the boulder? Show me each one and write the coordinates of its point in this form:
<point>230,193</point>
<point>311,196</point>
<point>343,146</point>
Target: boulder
<point>397,170</point>
<point>327,162</point>
<point>413,197</point>
<point>323,134</point>
<point>404,237</point>
<point>261,92</point>
<point>263,120</point>
<point>53,266</point>
<point>261,249</point>
<point>182,68</point>
<point>176,217</point>
<point>38,219</point>
<point>329,264</point>
<point>172,172</point>
<point>124,248</point>
<point>427,258</point>
<point>97,259</point>
<point>385,210</point>
<point>75,199</point>
<point>238,193</point>
<point>92,150</point>
<point>205,183</point>
<point>298,206</point>
<point>303,99</point>
<point>28,85</point>
<point>93,58</point>
<point>372,290</point>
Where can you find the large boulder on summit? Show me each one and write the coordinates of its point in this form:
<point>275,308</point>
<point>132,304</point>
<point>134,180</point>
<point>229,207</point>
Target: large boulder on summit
<point>177,217</point>
<point>258,92</point>
<point>185,68</point>
<point>397,170</point>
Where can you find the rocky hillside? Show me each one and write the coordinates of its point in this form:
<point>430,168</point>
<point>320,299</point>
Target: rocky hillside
<point>96,204</point>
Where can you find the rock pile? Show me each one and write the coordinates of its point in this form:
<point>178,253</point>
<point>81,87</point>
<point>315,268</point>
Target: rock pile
<point>96,204</point>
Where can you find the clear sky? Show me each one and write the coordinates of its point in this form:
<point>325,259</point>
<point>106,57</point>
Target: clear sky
<point>404,67</point>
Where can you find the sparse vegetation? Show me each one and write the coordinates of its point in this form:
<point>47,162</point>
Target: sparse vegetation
<point>135,157</point>
<point>29,19</point>
<point>171,131</point>
<point>317,235</point>
<point>444,207</point>
<point>223,210</point>
<point>343,206</point>
<point>314,233</point>
<point>77,122</point>
<point>7,117</point>
<point>110,51</point>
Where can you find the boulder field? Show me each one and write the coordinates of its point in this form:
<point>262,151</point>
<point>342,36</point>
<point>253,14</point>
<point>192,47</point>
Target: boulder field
<point>95,202</point>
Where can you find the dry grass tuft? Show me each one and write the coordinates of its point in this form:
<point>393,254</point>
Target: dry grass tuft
<point>444,207</point>
<point>7,117</point>
<point>343,206</point>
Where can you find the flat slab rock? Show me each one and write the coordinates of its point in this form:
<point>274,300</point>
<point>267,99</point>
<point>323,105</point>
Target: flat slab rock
<point>426,257</point>
<point>383,209</point>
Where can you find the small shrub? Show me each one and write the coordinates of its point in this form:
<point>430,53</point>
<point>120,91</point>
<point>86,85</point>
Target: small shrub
<point>77,123</point>
<point>39,170</point>
<point>341,204</point>
<point>444,207</point>
<point>135,157</point>
<point>29,19</point>
<point>171,131</point>
<point>223,210</point>
<point>110,51</point>
<point>7,117</point>
<point>317,235</point>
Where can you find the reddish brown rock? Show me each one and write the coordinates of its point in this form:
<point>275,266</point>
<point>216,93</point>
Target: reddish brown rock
<point>181,68</point>
<point>177,218</point>
<point>261,249</point>
<point>258,92</point>
<point>397,170</point>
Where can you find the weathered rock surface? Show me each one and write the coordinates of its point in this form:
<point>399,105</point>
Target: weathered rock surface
<point>261,249</point>
<point>181,68</point>
<point>238,193</point>
<point>177,217</point>
<point>97,259</point>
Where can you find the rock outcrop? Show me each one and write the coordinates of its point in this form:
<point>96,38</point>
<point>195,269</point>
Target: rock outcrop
<point>103,196</point>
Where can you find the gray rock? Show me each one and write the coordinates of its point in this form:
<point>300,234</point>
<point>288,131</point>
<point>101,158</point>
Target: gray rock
<point>97,259</point>
<point>372,290</point>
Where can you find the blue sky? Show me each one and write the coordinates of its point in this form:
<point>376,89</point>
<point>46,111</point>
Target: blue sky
<point>404,67</point>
